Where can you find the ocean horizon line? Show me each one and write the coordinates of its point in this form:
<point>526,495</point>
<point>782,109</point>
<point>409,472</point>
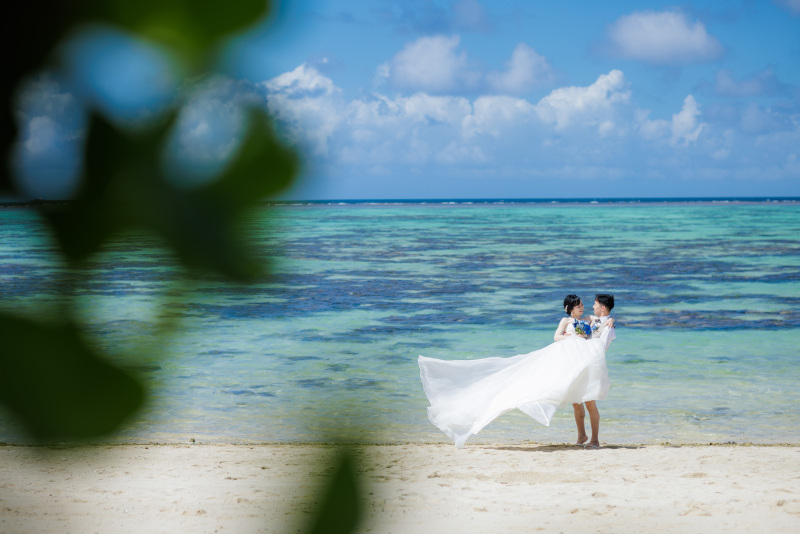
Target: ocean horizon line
<point>467,201</point>
<point>546,200</point>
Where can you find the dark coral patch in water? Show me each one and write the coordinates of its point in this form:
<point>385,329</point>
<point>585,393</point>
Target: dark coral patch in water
<point>314,382</point>
<point>248,392</point>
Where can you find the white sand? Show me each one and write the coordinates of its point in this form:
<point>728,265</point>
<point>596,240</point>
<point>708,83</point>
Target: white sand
<point>407,488</point>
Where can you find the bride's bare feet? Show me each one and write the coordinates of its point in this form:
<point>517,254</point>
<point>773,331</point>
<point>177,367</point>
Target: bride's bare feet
<point>582,439</point>
<point>592,445</point>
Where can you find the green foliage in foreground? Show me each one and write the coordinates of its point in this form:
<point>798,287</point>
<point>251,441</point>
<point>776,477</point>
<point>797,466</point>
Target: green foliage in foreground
<point>125,186</point>
<point>340,509</point>
<point>58,386</point>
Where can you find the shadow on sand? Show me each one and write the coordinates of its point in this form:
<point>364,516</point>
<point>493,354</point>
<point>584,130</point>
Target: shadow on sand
<point>557,447</point>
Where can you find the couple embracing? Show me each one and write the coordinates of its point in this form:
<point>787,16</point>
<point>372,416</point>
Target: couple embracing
<point>466,395</point>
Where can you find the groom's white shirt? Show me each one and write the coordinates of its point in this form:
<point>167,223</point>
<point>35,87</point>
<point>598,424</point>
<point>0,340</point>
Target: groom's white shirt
<point>607,334</point>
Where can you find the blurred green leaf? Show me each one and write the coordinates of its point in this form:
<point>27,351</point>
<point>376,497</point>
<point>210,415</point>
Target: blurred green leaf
<point>124,186</point>
<point>191,28</point>
<point>117,168</point>
<point>58,386</point>
<point>205,224</point>
<point>262,165</point>
<point>340,509</point>
<point>205,234</point>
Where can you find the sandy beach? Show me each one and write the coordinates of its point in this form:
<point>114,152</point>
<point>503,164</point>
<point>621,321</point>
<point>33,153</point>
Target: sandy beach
<point>407,488</point>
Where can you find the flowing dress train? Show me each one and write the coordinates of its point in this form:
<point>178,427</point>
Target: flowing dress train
<point>467,395</point>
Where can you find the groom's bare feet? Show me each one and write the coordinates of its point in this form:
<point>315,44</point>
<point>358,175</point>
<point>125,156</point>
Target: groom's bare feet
<point>582,439</point>
<point>592,445</point>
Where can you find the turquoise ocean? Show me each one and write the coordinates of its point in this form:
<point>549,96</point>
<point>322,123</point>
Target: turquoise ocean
<point>707,308</point>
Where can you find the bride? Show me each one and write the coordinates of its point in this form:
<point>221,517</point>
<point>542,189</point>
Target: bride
<point>467,395</point>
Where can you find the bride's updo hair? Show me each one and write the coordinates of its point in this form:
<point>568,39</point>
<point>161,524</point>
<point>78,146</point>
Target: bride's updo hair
<point>570,302</point>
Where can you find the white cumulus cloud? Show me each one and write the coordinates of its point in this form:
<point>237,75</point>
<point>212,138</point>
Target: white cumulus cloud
<point>593,105</point>
<point>494,115</point>
<point>685,126</point>
<point>308,103</point>
<point>526,70</point>
<point>381,111</point>
<point>384,131</point>
<point>437,65</point>
<point>371,137</point>
<point>665,37</point>
<point>414,129</point>
<point>430,64</point>
<point>305,80</point>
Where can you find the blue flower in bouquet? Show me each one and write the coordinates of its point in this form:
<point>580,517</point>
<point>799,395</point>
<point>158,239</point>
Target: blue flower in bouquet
<point>582,328</point>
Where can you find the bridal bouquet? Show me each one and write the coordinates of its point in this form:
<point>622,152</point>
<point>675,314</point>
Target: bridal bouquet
<point>582,329</point>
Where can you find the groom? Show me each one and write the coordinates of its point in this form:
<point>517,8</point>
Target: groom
<point>601,327</point>
<point>603,303</point>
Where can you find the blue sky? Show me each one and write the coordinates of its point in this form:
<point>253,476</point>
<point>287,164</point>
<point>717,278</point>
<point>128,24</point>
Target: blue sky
<point>466,99</point>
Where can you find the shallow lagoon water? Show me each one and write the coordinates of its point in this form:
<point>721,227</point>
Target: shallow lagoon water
<point>708,307</point>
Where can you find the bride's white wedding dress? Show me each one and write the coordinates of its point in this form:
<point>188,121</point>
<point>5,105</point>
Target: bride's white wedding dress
<point>466,395</point>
